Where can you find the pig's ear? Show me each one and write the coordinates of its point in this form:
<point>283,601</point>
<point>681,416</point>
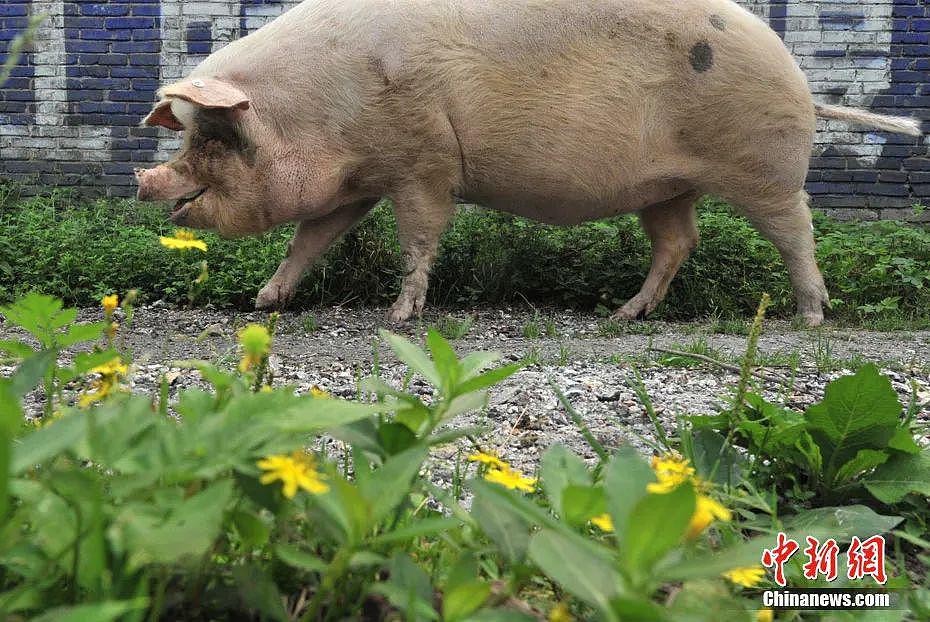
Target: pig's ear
<point>209,93</point>
<point>162,115</point>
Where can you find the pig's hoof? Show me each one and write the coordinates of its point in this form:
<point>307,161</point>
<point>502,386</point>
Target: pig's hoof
<point>404,309</point>
<point>273,296</point>
<point>812,319</point>
<point>632,310</point>
<point>399,313</point>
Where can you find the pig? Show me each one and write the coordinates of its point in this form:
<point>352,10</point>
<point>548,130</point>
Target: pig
<point>563,111</point>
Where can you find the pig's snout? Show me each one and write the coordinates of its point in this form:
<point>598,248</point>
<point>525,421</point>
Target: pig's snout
<point>163,183</point>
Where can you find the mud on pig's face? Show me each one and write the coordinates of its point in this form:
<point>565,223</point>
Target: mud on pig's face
<point>214,181</point>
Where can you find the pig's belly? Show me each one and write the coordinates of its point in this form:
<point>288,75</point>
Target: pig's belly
<point>562,202</point>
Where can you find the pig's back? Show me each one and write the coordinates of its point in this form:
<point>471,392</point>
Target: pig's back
<point>578,107</point>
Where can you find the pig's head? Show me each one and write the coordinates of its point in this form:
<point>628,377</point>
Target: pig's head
<point>217,181</point>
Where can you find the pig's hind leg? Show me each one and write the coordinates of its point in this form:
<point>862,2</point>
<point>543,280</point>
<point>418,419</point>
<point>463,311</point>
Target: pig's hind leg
<point>672,229</point>
<point>311,240</point>
<point>422,215</point>
<point>786,223</point>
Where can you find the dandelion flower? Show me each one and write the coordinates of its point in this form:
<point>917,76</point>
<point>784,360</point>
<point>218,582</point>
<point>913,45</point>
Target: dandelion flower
<point>510,478</point>
<point>489,459</point>
<point>706,511</point>
<point>317,392</point>
<point>110,374</point>
<point>114,367</point>
<point>671,472</point>
<point>747,577</point>
<point>256,344</point>
<point>183,240</point>
<point>296,471</point>
<point>603,522</point>
<point>765,615</point>
<point>560,613</point>
<point>109,304</point>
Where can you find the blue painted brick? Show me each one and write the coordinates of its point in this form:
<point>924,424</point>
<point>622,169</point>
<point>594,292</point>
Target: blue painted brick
<point>105,9</point>
<point>129,22</point>
<point>143,34</point>
<point>126,47</point>
<point>199,47</point>
<point>13,10</point>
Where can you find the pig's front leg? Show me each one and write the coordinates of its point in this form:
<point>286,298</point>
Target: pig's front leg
<point>311,240</point>
<point>422,215</point>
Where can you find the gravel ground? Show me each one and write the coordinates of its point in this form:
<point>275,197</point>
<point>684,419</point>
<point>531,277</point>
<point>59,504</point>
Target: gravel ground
<point>524,417</point>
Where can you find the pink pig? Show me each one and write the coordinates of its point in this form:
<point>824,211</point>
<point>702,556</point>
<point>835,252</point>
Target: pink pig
<point>560,110</point>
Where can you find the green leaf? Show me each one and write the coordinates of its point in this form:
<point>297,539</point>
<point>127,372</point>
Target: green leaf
<point>505,527</point>
<point>97,612</point>
<point>903,440</point>
<point>865,460</point>
<point>389,485</point>
<point>296,558</point>
<point>258,591</point>
<point>395,438</point>
<point>625,485</point>
<point>902,475</point>
<point>488,378</point>
<point>656,525</point>
<point>713,458</point>
<point>473,363</point>
<point>408,589</point>
<point>313,416</point>
<point>16,349</point>
<point>31,371</point>
<point>419,529</point>
<point>569,561</point>
<point>80,333</point>
<point>37,447</point>
<point>858,412</point>
<point>445,360</point>
<point>188,532</point>
<point>581,503</point>
<point>558,468</point>
<point>842,523</point>
<point>501,615</point>
<point>464,599</point>
<point>252,529</point>
<point>414,357</point>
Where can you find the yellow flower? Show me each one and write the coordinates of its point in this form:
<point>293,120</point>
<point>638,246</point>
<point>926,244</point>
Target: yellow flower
<point>297,471</point>
<point>706,511</point>
<point>109,304</point>
<point>747,577</point>
<point>671,472</point>
<point>317,392</point>
<point>115,367</point>
<point>765,615</point>
<point>110,373</point>
<point>183,240</point>
<point>256,344</point>
<point>266,389</point>
<point>603,522</point>
<point>489,459</point>
<point>510,478</point>
<point>560,613</point>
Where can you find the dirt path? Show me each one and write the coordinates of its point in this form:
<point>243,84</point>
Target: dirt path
<point>591,361</point>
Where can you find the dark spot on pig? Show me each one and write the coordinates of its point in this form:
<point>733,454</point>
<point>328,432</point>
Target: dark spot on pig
<point>671,39</point>
<point>702,56</point>
<point>377,66</point>
<point>718,22</point>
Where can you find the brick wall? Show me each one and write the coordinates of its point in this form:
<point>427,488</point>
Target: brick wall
<point>69,113</point>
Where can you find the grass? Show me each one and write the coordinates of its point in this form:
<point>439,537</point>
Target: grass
<point>878,273</point>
